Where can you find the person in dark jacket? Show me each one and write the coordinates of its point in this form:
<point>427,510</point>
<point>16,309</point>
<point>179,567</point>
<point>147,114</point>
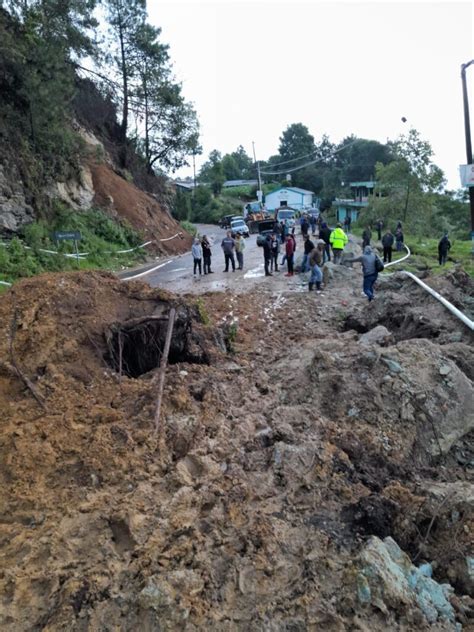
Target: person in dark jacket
<point>206,254</point>
<point>325,234</point>
<point>379,227</point>
<point>313,222</point>
<point>387,243</point>
<point>347,224</point>
<point>308,247</point>
<point>399,238</point>
<point>275,253</point>
<point>228,248</point>
<point>267,254</point>
<point>444,247</point>
<point>369,271</point>
<point>304,226</point>
<point>366,237</point>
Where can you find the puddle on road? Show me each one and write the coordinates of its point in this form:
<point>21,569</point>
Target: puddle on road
<point>255,272</point>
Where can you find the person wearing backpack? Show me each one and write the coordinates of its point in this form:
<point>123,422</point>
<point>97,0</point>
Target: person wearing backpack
<point>371,266</point>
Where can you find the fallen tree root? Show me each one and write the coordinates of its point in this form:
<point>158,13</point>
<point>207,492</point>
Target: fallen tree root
<point>26,381</point>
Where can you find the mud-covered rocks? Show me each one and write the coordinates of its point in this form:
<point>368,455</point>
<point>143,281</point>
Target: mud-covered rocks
<point>378,335</point>
<point>388,579</point>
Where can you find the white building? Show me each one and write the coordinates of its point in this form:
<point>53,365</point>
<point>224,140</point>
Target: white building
<point>293,197</point>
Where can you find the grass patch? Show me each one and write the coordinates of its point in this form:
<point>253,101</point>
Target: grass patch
<point>425,254</point>
<point>203,313</point>
<point>101,238</point>
<point>188,227</point>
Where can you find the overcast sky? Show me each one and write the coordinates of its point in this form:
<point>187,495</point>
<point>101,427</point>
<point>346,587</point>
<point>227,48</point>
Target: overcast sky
<point>340,68</point>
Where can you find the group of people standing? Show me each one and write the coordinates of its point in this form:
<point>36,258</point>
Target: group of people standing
<point>388,239</point>
<point>232,247</point>
<point>316,252</point>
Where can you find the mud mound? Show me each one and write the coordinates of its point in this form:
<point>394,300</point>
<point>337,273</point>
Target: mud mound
<point>407,311</point>
<point>145,214</point>
<point>285,445</point>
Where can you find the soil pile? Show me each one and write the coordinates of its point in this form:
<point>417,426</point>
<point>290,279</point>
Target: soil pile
<point>114,194</point>
<point>290,440</point>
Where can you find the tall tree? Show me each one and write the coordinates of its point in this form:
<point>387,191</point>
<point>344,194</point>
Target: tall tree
<point>407,186</point>
<point>171,130</point>
<point>356,158</point>
<point>212,173</point>
<point>296,141</point>
<point>125,18</point>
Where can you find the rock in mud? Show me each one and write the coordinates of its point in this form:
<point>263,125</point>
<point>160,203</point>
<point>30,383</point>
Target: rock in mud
<point>387,578</point>
<point>379,335</point>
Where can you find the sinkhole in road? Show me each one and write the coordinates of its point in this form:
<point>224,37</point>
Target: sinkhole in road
<point>135,347</point>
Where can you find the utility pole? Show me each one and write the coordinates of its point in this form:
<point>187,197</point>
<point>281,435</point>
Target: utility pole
<point>467,130</point>
<point>259,192</point>
<point>194,172</point>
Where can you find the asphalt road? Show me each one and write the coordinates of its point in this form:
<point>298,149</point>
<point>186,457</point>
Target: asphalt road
<point>176,273</point>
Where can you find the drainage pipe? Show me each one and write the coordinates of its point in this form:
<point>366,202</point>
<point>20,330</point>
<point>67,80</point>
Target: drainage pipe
<point>449,306</point>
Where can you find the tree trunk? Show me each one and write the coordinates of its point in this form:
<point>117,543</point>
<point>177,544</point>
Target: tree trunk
<point>405,210</point>
<point>124,124</point>
<point>147,122</point>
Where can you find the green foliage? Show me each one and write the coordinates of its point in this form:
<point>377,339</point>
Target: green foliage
<point>189,227</point>
<point>231,331</point>
<point>407,189</point>
<point>245,192</point>
<point>212,172</point>
<point>37,86</point>
<point>182,206</point>
<point>296,141</point>
<point>203,313</point>
<point>101,236</point>
<point>210,209</point>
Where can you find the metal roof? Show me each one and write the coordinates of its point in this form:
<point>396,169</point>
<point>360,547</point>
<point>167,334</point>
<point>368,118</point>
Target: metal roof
<point>294,189</point>
<point>369,184</point>
<point>239,183</point>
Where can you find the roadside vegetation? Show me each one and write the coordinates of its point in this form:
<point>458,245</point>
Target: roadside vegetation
<point>101,238</point>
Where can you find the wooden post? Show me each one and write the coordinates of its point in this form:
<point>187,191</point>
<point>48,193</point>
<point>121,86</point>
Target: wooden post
<point>162,370</point>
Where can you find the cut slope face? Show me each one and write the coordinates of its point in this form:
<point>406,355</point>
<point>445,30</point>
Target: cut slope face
<point>277,463</point>
<point>114,194</point>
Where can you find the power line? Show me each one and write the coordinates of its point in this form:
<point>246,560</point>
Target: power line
<point>312,162</point>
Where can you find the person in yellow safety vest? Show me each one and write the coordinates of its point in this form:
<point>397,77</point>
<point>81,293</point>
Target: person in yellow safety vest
<point>338,239</point>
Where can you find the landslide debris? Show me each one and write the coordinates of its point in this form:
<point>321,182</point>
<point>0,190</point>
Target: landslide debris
<point>299,454</point>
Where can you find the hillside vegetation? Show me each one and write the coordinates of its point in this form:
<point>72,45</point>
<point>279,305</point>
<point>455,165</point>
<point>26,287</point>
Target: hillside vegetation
<point>70,150</point>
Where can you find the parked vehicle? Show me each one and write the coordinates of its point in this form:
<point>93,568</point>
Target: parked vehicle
<point>224,222</point>
<point>265,228</point>
<point>238,225</point>
<point>286,214</point>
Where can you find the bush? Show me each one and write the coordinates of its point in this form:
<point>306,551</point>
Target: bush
<point>101,237</point>
<point>190,228</point>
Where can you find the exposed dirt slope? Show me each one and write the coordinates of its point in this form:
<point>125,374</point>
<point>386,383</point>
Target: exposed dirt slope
<point>290,439</point>
<point>143,212</point>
